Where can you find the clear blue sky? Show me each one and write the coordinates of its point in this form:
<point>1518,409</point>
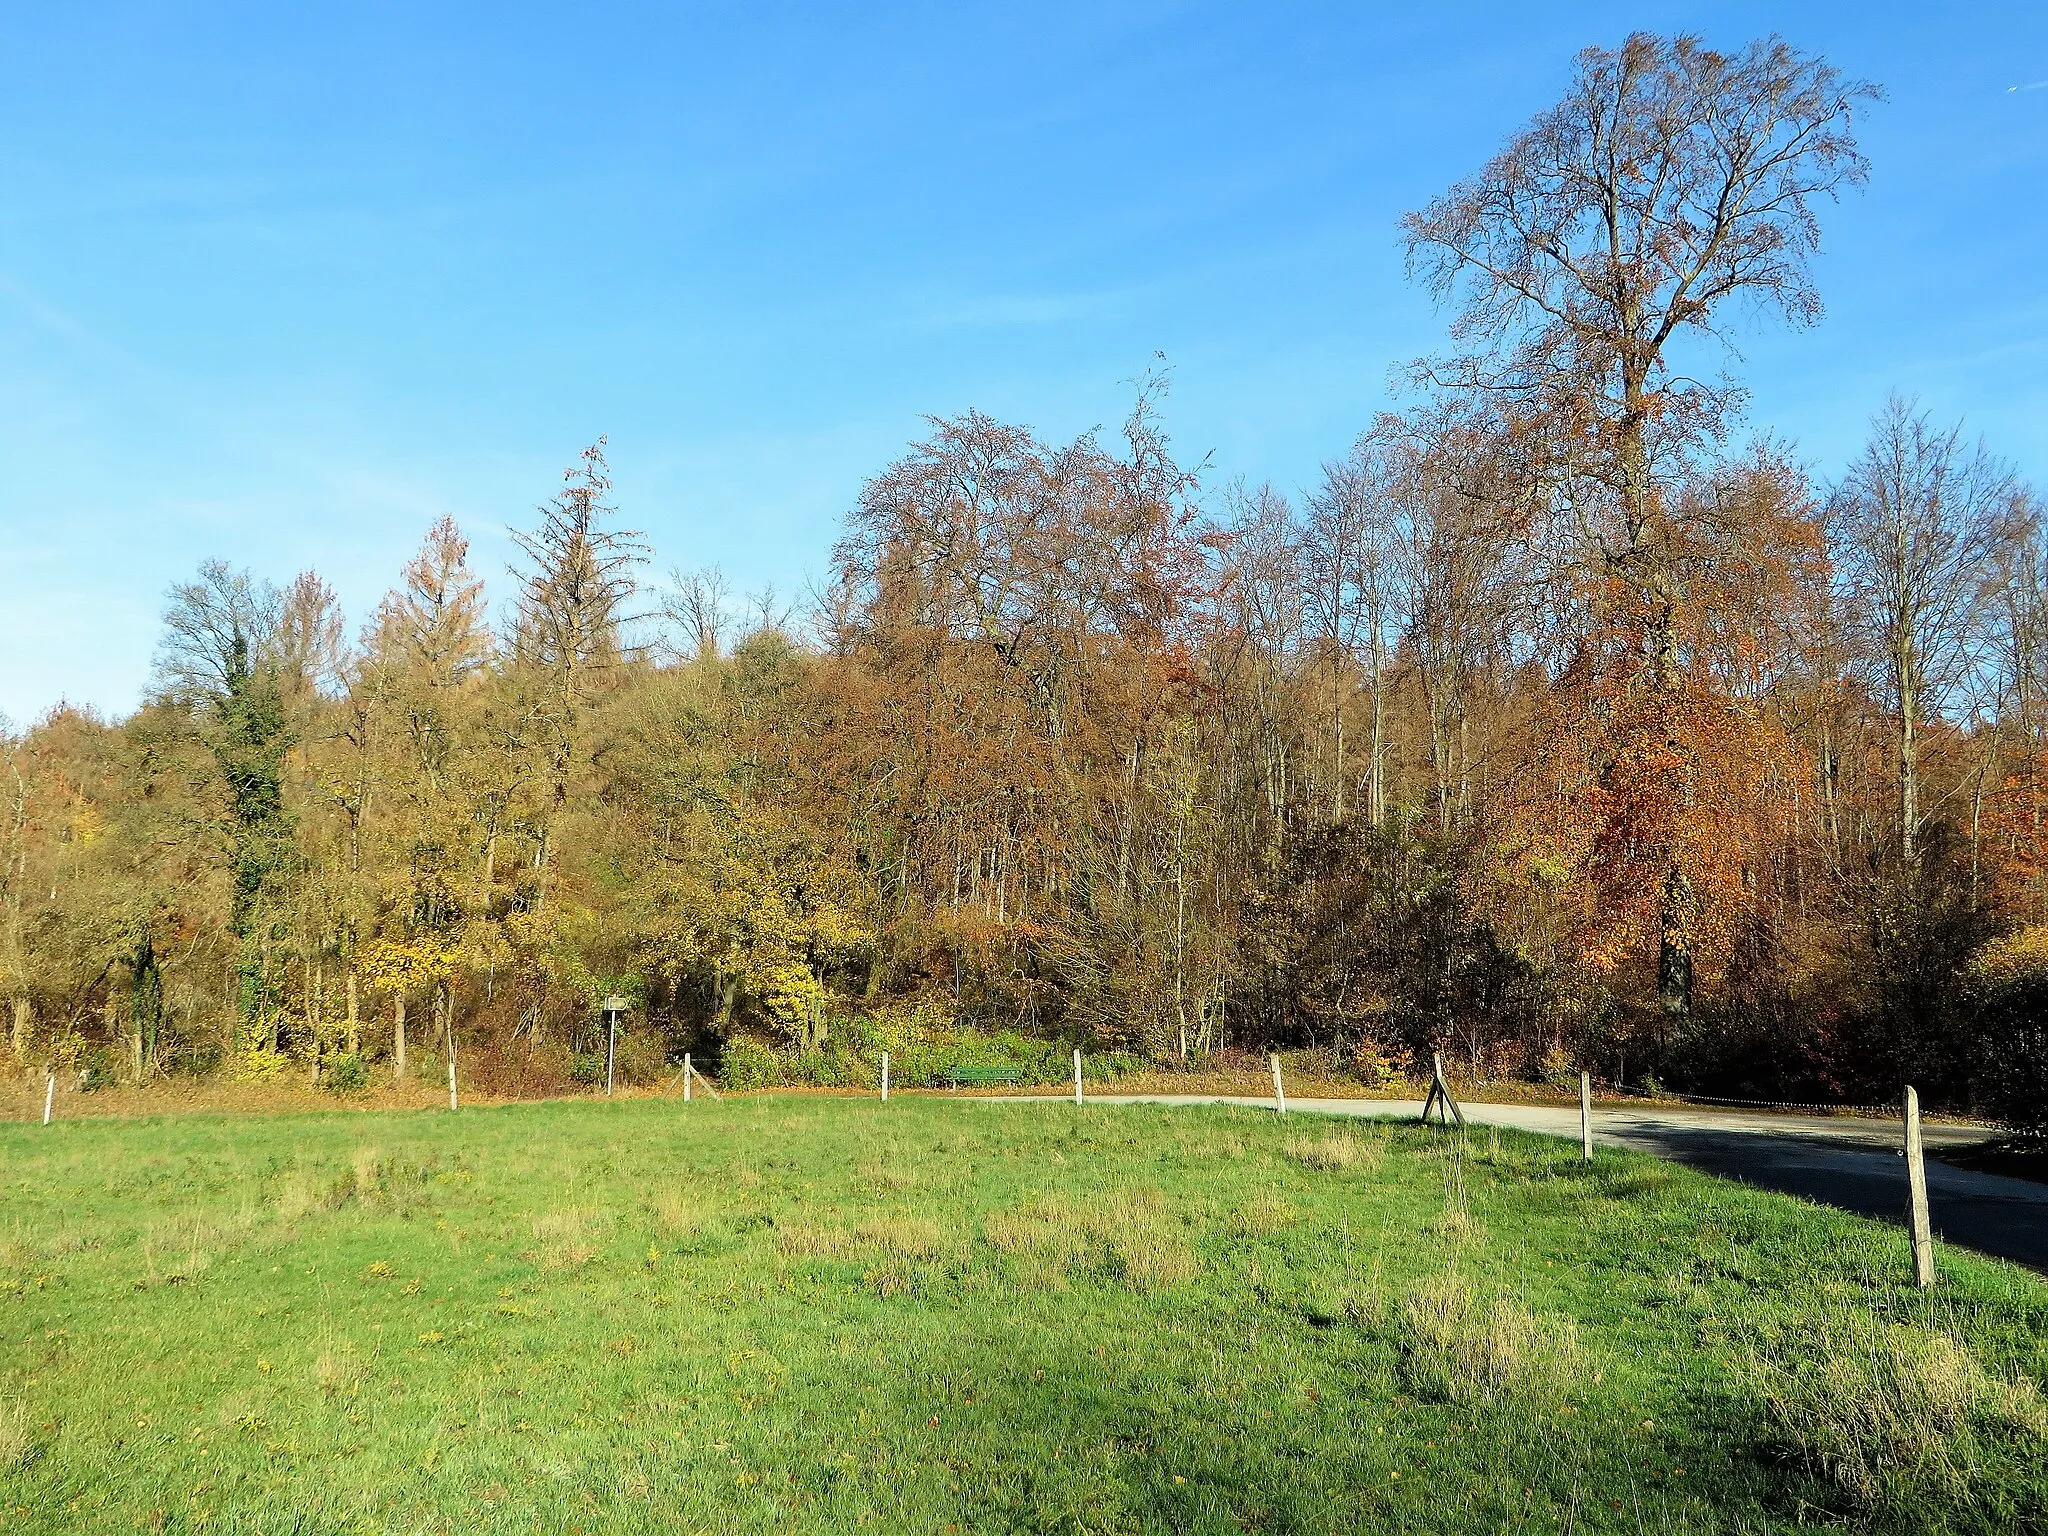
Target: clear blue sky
<point>285,282</point>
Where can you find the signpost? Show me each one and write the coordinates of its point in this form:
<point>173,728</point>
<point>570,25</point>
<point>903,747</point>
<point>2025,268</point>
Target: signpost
<point>613,1007</point>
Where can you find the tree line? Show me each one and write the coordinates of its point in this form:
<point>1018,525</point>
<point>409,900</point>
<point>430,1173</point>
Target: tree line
<point>1569,719</point>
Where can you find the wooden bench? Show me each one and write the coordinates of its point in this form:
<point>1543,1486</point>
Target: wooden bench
<point>979,1077</point>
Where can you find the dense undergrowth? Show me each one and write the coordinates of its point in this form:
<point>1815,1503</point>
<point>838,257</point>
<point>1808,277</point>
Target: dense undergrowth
<point>799,1314</point>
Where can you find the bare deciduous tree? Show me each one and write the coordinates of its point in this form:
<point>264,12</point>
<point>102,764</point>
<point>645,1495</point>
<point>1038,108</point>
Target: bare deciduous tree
<point>1921,521</point>
<point>1348,552</point>
<point>1669,181</point>
<point>700,606</point>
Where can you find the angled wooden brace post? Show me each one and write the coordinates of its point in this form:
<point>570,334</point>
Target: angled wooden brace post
<point>1441,1099</point>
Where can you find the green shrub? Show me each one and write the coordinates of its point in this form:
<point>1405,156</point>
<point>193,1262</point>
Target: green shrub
<point>586,1067</point>
<point>1371,1065</point>
<point>1557,1069</point>
<point>345,1073</point>
<point>746,1064</point>
<point>97,1070</point>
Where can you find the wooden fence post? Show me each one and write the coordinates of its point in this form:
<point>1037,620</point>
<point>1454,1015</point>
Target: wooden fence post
<point>1586,1116</point>
<point>1279,1091</point>
<point>686,1077</point>
<point>885,1077</point>
<point>1440,1097</point>
<point>1916,1196</point>
<point>1077,1074</point>
<point>49,1098</point>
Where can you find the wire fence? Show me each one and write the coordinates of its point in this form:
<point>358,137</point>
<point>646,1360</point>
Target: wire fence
<point>1888,1111</point>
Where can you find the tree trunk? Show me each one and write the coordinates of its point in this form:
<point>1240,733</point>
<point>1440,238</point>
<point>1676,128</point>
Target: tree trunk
<point>317,1018</point>
<point>1674,944</point>
<point>398,1040</point>
<point>1909,757</point>
<point>355,1039</point>
<point>1677,901</point>
<point>1376,781</point>
<point>1905,656</point>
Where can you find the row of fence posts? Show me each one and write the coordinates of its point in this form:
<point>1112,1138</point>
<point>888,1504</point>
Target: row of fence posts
<point>1440,1100</point>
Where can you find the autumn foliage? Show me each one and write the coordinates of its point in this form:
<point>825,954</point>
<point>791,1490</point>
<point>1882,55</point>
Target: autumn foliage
<point>1557,726</point>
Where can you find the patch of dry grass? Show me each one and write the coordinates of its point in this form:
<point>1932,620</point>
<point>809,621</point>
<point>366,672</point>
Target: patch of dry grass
<point>366,1169</point>
<point>14,1436</point>
<point>568,1239</point>
<point>1338,1151</point>
<point>891,1177</point>
<point>1465,1348</point>
<point>904,1237</point>
<point>337,1366</point>
<point>308,1191</point>
<point>183,1248</point>
<point>1132,1236</point>
<point>1882,1407</point>
<point>1265,1213</point>
<point>677,1212</point>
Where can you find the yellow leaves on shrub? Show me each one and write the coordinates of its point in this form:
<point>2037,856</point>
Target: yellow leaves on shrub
<point>2017,957</point>
<point>789,992</point>
<point>405,965</point>
<point>88,823</point>
<point>260,1063</point>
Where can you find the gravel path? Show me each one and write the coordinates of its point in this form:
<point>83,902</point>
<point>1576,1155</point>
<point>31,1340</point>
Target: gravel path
<point>1851,1164</point>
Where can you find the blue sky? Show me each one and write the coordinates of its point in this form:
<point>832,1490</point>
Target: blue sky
<point>284,283</point>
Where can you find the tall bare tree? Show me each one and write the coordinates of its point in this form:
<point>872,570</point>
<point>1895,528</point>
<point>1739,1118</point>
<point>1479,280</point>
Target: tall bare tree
<point>1921,523</point>
<point>1670,180</point>
<point>1348,550</point>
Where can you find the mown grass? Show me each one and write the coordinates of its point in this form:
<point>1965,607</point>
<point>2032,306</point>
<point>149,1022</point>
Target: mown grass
<point>785,1315</point>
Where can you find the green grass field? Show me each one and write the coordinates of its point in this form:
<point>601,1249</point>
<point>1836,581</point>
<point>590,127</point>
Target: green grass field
<point>788,1315</point>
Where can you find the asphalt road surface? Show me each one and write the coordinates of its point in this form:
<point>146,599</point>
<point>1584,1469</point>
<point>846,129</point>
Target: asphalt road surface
<point>1853,1165</point>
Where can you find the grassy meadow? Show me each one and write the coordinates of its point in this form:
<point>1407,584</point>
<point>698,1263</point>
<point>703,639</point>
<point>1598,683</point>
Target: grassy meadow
<point>801,1314</point>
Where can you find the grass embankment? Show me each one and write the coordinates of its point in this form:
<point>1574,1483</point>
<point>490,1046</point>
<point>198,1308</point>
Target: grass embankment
<point>792,1315</point>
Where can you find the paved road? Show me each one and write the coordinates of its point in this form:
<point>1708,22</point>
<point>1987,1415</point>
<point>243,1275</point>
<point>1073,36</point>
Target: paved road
<point>1850,1164</point>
